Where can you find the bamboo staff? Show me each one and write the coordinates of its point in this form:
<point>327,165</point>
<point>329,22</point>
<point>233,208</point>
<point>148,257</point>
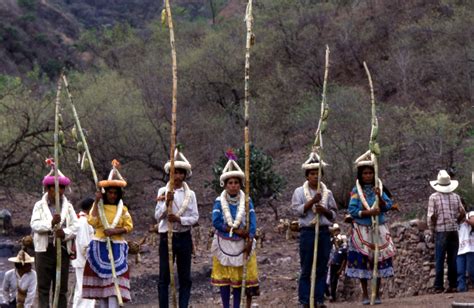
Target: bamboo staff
<point>318,148</point>
<point>248,45</point>
<point>57,287</point>
<point>103,219</point>
<point>169,203</point>
<point>374,153</point>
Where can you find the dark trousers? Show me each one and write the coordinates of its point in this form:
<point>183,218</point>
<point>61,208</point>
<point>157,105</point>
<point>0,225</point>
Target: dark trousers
<point>446,246</point>
<point>46,272</point>
<point>182,250</point>
<point>334,279</point>
<point>306,260</point>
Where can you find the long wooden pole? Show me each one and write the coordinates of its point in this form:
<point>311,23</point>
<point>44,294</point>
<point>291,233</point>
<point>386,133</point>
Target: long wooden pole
<point>318,148</point>
<point>169,203</point>
<point>374,153</point>
<point>102,217</point>
<point>248,45</point>
<point>57,287</point>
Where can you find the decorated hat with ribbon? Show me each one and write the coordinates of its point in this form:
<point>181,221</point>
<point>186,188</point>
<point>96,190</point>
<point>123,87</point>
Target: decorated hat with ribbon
<point>231,169</point>
<point>115,179</point>
<point>48,180</point>
<point>313,162</point>
<point>180,162</point>
<point>22,258</point>
<point>364,160</point>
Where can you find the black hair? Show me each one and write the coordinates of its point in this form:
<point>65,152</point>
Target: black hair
<point>53,186</point>
<point>359,177</point>
<point>183,171</point>
<point>234,177</point>
<point>119,195</point>
<point>359,173</point>
<point>306,172</point>
<point>86,204</point>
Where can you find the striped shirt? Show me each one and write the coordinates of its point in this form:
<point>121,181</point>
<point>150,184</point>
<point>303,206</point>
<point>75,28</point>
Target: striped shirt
<point>446,207</point>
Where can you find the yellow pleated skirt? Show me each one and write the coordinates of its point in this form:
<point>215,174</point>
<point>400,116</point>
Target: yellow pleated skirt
<point>232,275</point>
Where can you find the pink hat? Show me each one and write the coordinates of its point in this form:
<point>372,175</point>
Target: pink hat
<point>49,178</point>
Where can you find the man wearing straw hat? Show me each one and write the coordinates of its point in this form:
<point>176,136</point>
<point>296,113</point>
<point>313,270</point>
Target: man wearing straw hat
<point>445,213</point>
<point>306,202</point>
<point>47,225</point>
<point>185,215</point>
<point>19,284</point>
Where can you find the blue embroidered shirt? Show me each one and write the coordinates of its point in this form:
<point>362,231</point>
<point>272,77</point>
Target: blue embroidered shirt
<point>355,205</point>
<point>219,222</point>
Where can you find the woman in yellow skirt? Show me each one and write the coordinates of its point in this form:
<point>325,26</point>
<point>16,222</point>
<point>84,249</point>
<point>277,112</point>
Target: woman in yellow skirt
<point>232,240</point>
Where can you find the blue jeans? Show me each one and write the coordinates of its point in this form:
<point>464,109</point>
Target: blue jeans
<point>446,246</point>
<point>306,261</point>
<point>182,250</point>
<point>465,262</point>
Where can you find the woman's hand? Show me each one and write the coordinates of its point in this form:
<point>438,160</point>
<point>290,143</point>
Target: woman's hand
<point>114,231</point>
<point>98,196</point>
<point>248,246</point>
<point>374,211</point>
<point>242,233</point>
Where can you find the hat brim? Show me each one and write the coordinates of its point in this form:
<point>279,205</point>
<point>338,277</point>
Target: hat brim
<point>179,165</point>
<point>16,260</point>
<point>49,180</point>
<point>312,166</point>
<point>232,174</point>
<point>445,188</point>
<point>364,163</point>
<point>112,183</point>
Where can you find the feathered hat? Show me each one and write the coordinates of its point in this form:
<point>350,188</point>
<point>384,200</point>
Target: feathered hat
<point>231,169</point>
<point>22,258</point>
<point>180,162</point>
<point>49,178</point>
<point>115,179</point>
<point>313,162</point>
<point>364,160</point>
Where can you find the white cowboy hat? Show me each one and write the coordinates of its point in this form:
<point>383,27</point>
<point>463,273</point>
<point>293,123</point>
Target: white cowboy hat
<point>180,162</point>
<point>22,258</point>
<point>444,184</point>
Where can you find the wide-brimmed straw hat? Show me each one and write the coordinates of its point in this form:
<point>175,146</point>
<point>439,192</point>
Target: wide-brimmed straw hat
<point>180,162</point>
<point>22,257</point>
<point>115,179</point>
<point>444,184</point>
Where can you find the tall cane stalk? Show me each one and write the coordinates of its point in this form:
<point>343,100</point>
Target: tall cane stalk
<point>57,287</point>
<point>374,153</point>
<point>248,45</point>
<point>169,203</point>
<point>103,219</point>
<point>318,148</point>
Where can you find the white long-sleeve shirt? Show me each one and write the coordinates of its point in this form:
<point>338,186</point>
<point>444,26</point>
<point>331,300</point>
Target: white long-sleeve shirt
<point>188,218</point>
<point>41,223</point>
<point>83,237</point>
<point>26,282</point>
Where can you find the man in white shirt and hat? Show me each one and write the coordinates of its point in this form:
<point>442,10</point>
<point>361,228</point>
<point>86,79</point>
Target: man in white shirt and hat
<point>19,284</point>
<point>47,225</point>
<point>185,215</point>
<point>445,213</point>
